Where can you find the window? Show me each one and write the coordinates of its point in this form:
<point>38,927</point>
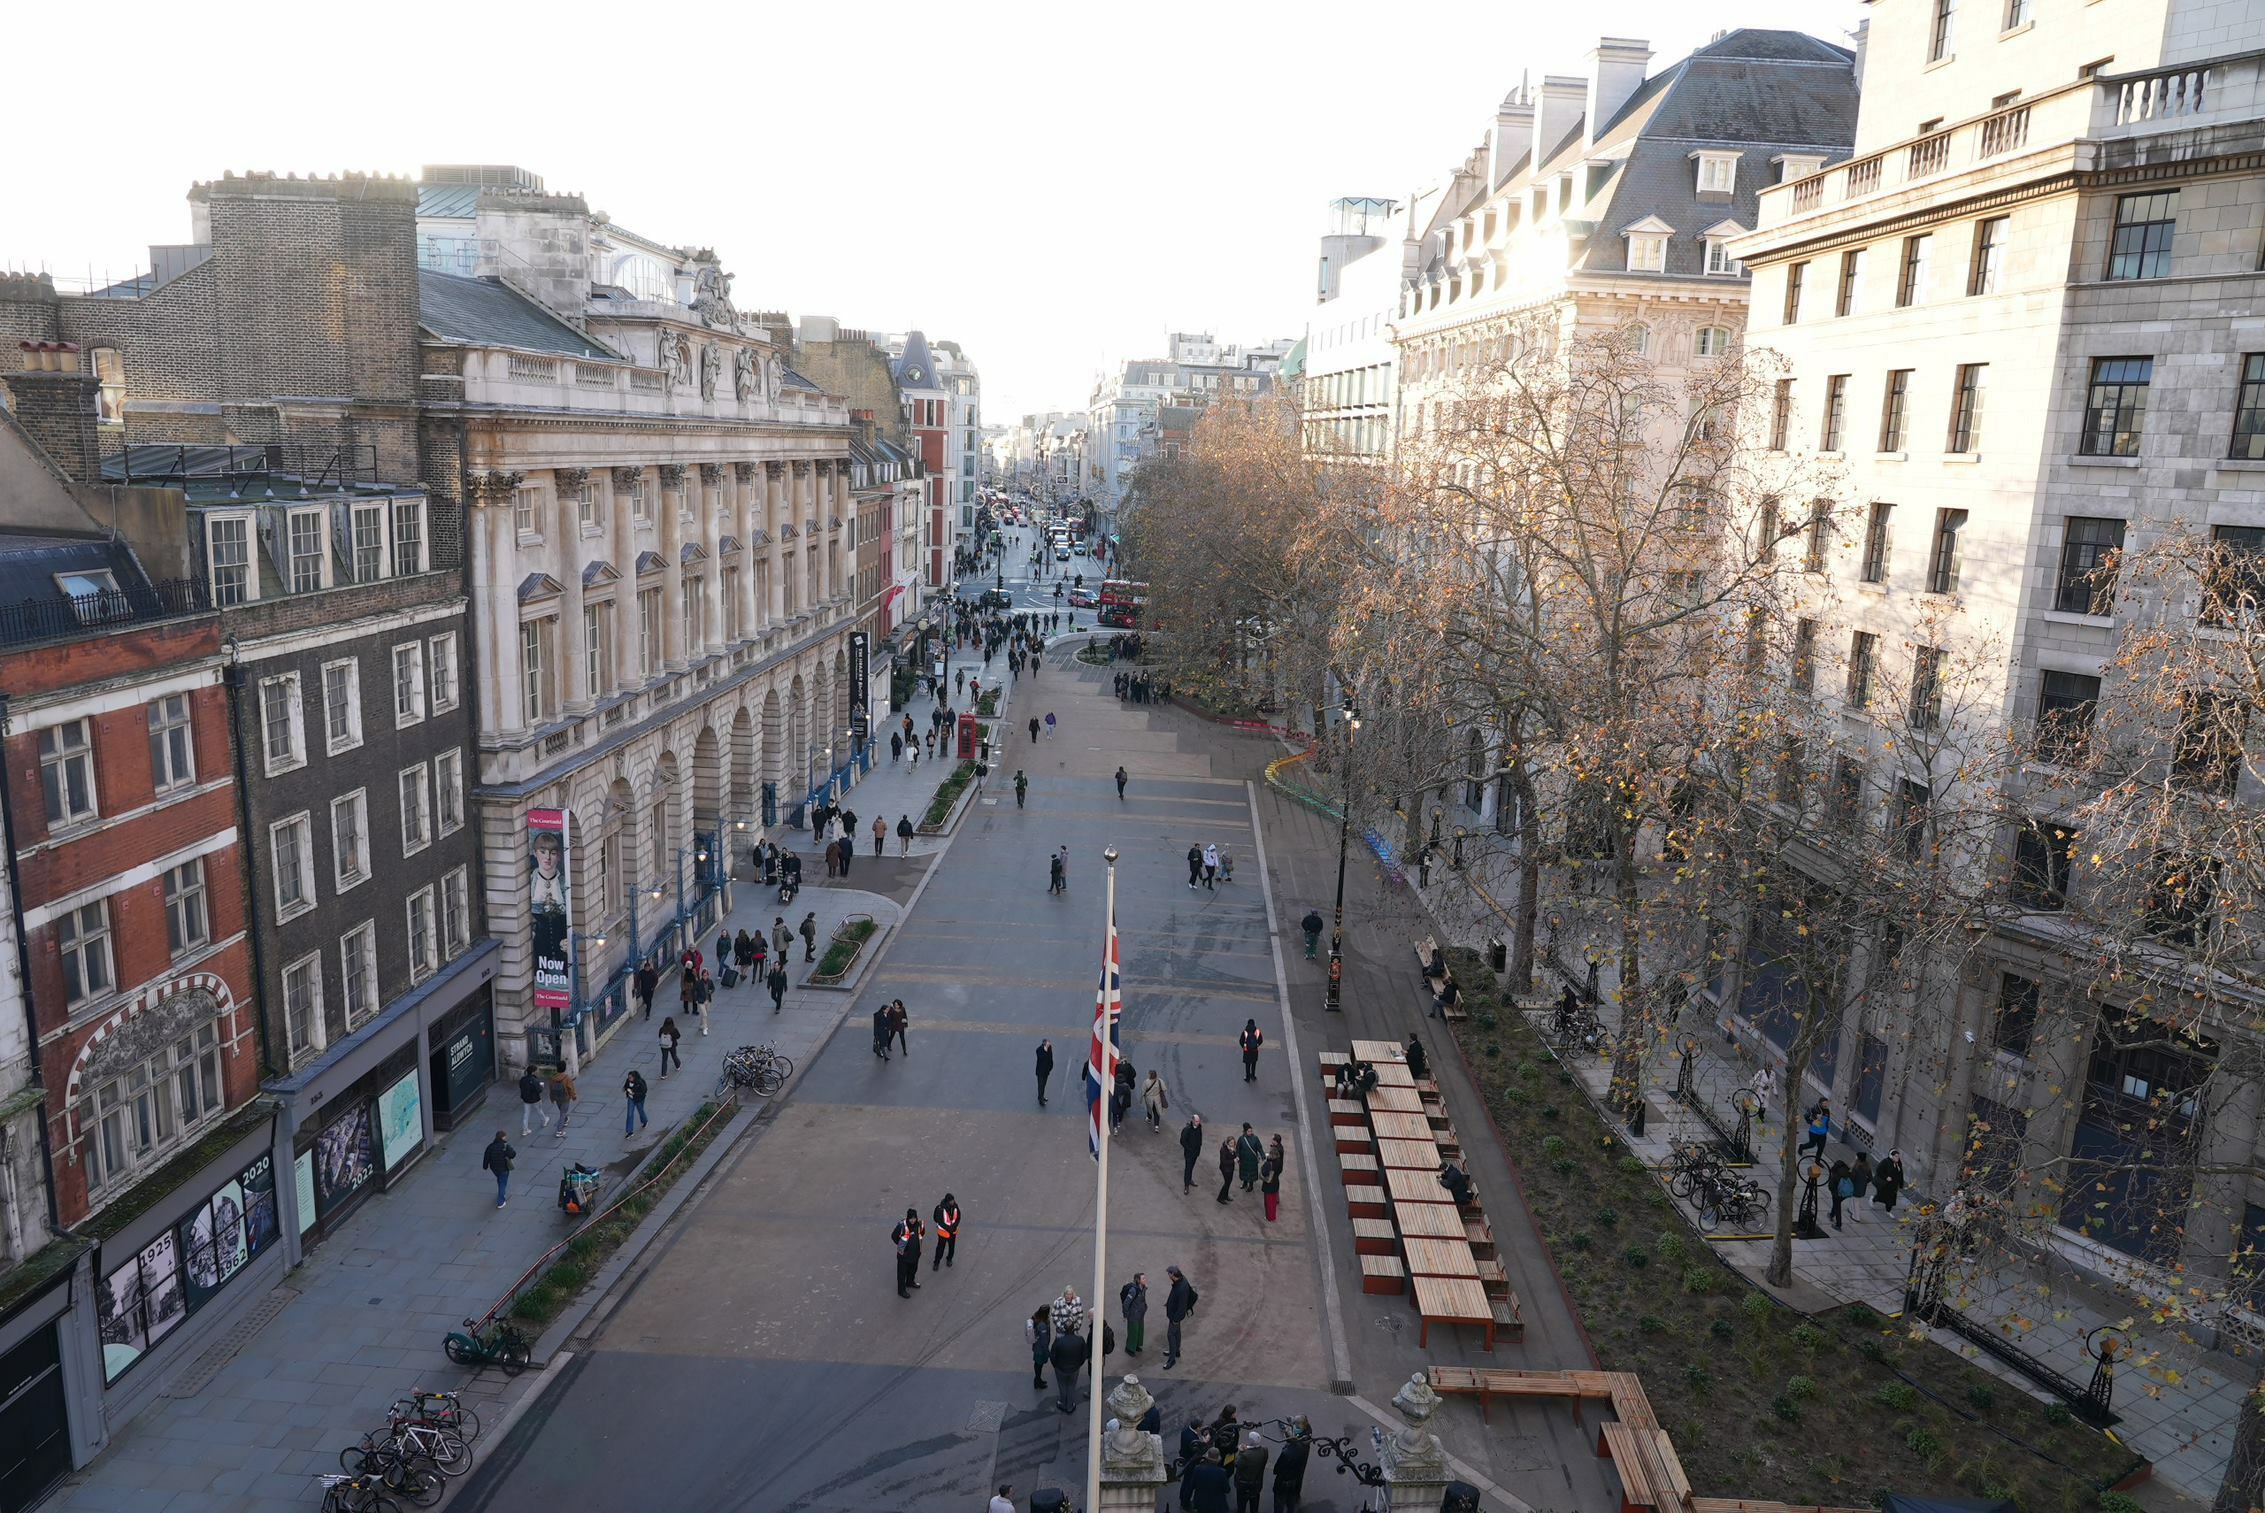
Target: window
<point>1966,410</point>
<point>1836,412</point>
<point>369,542</point>
<point>1943,565</point>
<point>357,969</point>
<point>586,508</point>
<point>1926,687</point>
<point>228,546</point>
<point>1794,275</point>
<point>66,772</point>
<point>1911,280</point>
<point>1718,172</point>
<point>127,1120</point>
<point>1876,543</point>
<point>689,601</point>
<point>2179,900</point>
<point>1894,406</point>
<point>456,911</point>
<point>1851,272</point>
<point>281,737</point>
<point>1804,673</point>
<point>1989,254</point>
<point>1911,804</point>
<point>535,669</point>
<point>1792,776</point>
<point>302,1004</point>
<point>1939,30</point>
<point>649,632</point>
<point>448,790</point>
<point>2140,246</point>
<point>110,398</point>
<point>1844,802</point>
<point>2087,584</point>
<point>440,653</point>
<point>2233,584</point>
<point>526,512</point>
<point>291,848</point>
<point>307,553</point>
<point>2115,406</point>
<point>2017,13</point>
<point>1714,341</point>
<point>597,647</point>
<point>350,838</point>
<point>2065,704</point>
<point>1863,652</point>
<point>2016,1020</point>
<point>1819,538</point>
<point>2249,411</point>
<point>341,705</point>
<point>1781,414</point>
<point>416,809</point>
<point>733,629</point>
<point>186,924</point>
<point>82,937</point>
<point>408,683</point>
<point>639,510</point>
<point>1719,260</point>
<point>408,536</point>
<point>1647,252</point>
<point>422,939</point>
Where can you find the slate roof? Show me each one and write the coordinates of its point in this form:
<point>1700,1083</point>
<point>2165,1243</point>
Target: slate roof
<point>917,360</point>
<point>28,565</point>
<point>789,379</point>
<point>482,312</point>
<point>447,202</point>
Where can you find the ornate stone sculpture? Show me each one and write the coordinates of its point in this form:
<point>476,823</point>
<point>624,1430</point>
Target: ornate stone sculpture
<point>711,369</point>
<point>711,299</point>
<point>494,487</point>
<point>625,479</point>
<point>711,473</point>
<point>745,470</point>
<point>746,383</point>
<point>570,478</point>
<point>676,358</point>
<point>672,475</point>
<point>1414,1456</point>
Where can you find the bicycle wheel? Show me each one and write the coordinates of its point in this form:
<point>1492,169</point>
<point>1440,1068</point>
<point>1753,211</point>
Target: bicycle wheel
<point>1710,1217</point>
<point>515,1353</point>
<point>1684,1183</point>
<point>769,1081</point>
<point>417,1479</point>
<point>784,1065</point>
<point>363,1459</point>
<point>460,1350</point>
<point>464,1421</point>
<point>447,1449</point>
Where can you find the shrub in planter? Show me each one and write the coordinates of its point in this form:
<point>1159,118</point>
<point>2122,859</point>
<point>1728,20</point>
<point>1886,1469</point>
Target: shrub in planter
<point>1487,1021</point>
<point>1528,1070</point>
<point>1698,1280</point>
<point>1872,1350</point>
<point>1633,1166</point>
<point>1926,1446</point>
<point>1492,1050</point>
<point>1721,1328</point>
<point>2118,1502</point>
<point>1863,1316</point>
<point>1899,1396</point>
<point>1580,1239</point>
<point>1982,1396</point>
<point>1757,1307</point>
<point>1698,1379</point>
<point>1651,1323</point>
<point>1547,1111</point>
<point>1563,1166</point>
<point>1800,1388</point>
<point>1606,1215</point>
<point>1670,1246</point>
<point>1553,1145</point>
<point>1637,1257</point>
<point>1786,1408</point>
<point>1808,1336</point>
<point>2058,1416</point>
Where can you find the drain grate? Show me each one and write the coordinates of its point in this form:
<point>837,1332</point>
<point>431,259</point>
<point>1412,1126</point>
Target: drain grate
<point>207,1366</point>
<point>986,1418</point>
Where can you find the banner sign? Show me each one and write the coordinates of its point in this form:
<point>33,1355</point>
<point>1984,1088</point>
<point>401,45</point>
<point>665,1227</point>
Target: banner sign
<point>549,862</point>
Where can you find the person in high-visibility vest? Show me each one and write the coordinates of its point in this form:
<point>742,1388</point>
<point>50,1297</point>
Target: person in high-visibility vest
<point>946,1218</point>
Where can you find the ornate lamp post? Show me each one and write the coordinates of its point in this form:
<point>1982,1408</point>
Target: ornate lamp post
<point>1805,1226</point>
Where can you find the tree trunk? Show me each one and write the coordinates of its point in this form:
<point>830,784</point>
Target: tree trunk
<point>1529,879</point>
<point>1633,1044</point>
<point>1797,1058</point>
<point>2243,1490</point>
<point>1414,840</point>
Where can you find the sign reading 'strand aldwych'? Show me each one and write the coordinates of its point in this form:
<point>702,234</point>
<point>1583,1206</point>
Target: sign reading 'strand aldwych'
<point>550,858</point>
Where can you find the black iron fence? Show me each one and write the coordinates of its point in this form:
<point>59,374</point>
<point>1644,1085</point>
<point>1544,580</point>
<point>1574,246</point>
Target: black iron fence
<point>59,618</point>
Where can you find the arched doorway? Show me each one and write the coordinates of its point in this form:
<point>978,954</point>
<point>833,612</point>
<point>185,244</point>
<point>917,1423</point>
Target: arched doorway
<point>798,737</point>
<point>707,782</point>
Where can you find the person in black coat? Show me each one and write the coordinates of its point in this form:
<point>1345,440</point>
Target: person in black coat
<point>1290,1467</point>
<point>1209,1487</point>
<point>1226,1170</point>
<point>1195,1443</point>
<point>1045,1068</point>
<point>1068,1354</point>
<point>1191,1146</point>
<point>1178,1304</point>
<point>1419,1065</point>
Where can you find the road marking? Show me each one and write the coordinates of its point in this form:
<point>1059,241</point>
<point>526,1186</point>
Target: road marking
<point>1340,1352</point>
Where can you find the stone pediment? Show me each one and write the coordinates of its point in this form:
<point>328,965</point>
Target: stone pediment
<point>538,586</point>
<point>693,552</point>
<point>597,574</point>
<point>649,562</point>
<point>727,546</point>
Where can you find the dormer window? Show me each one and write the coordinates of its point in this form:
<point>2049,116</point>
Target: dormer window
<point>1798,165</point>
<point>1718,172</point>
<point>1647,245</point>
<point>1718,237</point>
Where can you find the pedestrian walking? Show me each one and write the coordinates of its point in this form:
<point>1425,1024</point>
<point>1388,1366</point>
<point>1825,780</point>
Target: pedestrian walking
<point>648,979</point>
<point>1249,1156</point>
<point>946,1219</point>
<point>1057,879</point>
<point>531,1101</point>
<point>1022,787</point>
<point>881,1032</point>
<point>1210,867</point>
<point>1049,724</point>
<point>847,846</point>
<point>1860,1178</point>
<point>833,860</point>
<point>1226,1170</point>
<point>1270,1180</point>
<point>898,1019</point>
<point>1837,1177</point>
<point>670,1035</point>
<point>1034,730</point>
<point>1250,1473</point>
<point>904,835</point>
<point>1765,1089</point>
<point>880,834</point>
<point>1195,865</point>
<point>498,1158</point>
<point>705,1001</point>
<point>1132,1300</point>
<point>1179,1304</point>
<point>563,1098</point>
<point>1155,1098</point>
<point>776,982</point>
<point>782,939</point>
<point>1819,1120</point>
<point>810,936</point>
<point>906,1237</point>
<point>1290,1465</point>
<point>633,1115</point>
<point>758,952</point>
<point>1191,1146</point>
<point>1312,924</point>
<point>1250,1040</point>
<point>1887,1180</point>
<point>1120,785</point>
<point>1120,1094</point>
<point>1038,1333</point>
<point>1069,1354</point>
<point>1045,1068</point>
<point>896,748</point>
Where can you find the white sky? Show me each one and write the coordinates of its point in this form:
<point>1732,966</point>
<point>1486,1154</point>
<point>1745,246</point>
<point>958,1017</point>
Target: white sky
<point>1054,186</point>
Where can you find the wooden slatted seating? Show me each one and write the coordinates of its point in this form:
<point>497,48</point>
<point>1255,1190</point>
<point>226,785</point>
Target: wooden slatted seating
<point>1350,1139</point>
<point>1366,1203</point>
<point>1509,1323</point>
<point>1651,1474</point>
<point>1375,1237</point>
<point>1331,1060</point>
<point>1384,1274</point>
<point>1493,1278</point>
<point>1359,1170</point>
<point>1344,1113</point>
<point>1489,1383</point>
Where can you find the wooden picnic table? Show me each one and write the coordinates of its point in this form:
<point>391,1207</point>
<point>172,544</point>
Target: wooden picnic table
<point>1415,1187</point>
<point>1394,1074</point>
<point>1391,1126</point>
<point>1379,1051</point>
<point>1435,1221</point>
<point>1410,1155</point>
<point>1439,1258</point>
<point>1395,1100</point>
<point>1452,1300</point>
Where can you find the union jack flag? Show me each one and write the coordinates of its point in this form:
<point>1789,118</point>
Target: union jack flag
<point>1101,1060</point>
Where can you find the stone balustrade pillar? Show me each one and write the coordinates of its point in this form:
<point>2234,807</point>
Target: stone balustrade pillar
<point>1133,1466</point>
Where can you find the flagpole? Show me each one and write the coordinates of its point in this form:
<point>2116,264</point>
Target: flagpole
<point>1101,1217</point>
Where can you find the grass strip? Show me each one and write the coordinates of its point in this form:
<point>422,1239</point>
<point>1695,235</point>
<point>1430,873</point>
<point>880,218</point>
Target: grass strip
<point>947,794</point>
<point>848,940</point>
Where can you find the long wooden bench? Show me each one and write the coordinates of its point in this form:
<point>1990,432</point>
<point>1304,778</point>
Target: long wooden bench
<point>1359,1170</point>
<point>1345,1113</point>
<point>1487,1383</point>
<point>1437,986</point>
<point>1367,1203</point>
<point>1384,1274</point>
<point>1651,1474</point>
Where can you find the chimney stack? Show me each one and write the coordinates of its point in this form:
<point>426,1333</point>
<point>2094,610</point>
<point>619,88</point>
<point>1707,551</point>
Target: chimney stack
<point>1558,103</point>
<point>55,404</point>
<point>1513,133</point>
<point>1616,72</point>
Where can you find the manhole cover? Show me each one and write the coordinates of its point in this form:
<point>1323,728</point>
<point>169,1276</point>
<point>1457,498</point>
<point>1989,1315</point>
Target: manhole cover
<point>986,1418</point>
<point>1391,1323</point>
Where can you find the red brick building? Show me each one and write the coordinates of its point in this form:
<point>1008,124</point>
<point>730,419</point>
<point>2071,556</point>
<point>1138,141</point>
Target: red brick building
<point>928,412</point>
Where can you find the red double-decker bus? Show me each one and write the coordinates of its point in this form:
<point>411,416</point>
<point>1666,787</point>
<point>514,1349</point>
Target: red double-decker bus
<point>1122,600</point>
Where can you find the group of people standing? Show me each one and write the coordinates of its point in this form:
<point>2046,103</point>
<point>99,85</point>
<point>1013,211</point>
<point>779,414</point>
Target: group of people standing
<point>1227,1456</point>
<point>1060,1333</point>
<point>910,1235</point>
<point>1209,866</point>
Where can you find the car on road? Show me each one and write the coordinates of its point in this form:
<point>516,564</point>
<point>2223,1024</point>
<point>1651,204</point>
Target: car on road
<point>996,598</point>
<point>1083,598</point>
<point>1061,554</point>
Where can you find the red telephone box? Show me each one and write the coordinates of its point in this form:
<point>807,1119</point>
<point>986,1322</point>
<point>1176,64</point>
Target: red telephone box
<point>967,737</point>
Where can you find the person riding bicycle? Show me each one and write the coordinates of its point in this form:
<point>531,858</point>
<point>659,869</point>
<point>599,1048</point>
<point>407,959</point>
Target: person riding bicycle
<point>1311,924</point>
<point>1022,787</point>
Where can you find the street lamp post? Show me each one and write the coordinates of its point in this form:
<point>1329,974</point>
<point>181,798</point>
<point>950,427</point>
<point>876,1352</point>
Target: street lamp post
<point>1336,999</point>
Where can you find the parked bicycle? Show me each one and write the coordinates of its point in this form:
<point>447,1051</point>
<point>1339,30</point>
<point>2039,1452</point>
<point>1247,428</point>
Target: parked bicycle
<point>502,1345</point>
<point>1692,1166</point>
<point>754,1067</point>
<point>397,1469</point>
<point>1727,1199</point>
<point>443,1408</point>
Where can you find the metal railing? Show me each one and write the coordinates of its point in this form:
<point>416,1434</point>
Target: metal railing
<point>56,619</point>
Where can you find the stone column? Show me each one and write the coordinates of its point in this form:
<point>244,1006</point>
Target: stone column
<point>672,566</point>
<point>622,532</point>
<point>1132,1460</point>
<point>806,511</point>
<point>747,509</point>
<point>495,566</point>
<point>2229,1148</point>
<point>845,509</point>
<point>1415,1463</point>
<point>567,555</point>
<point>712,505</point>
